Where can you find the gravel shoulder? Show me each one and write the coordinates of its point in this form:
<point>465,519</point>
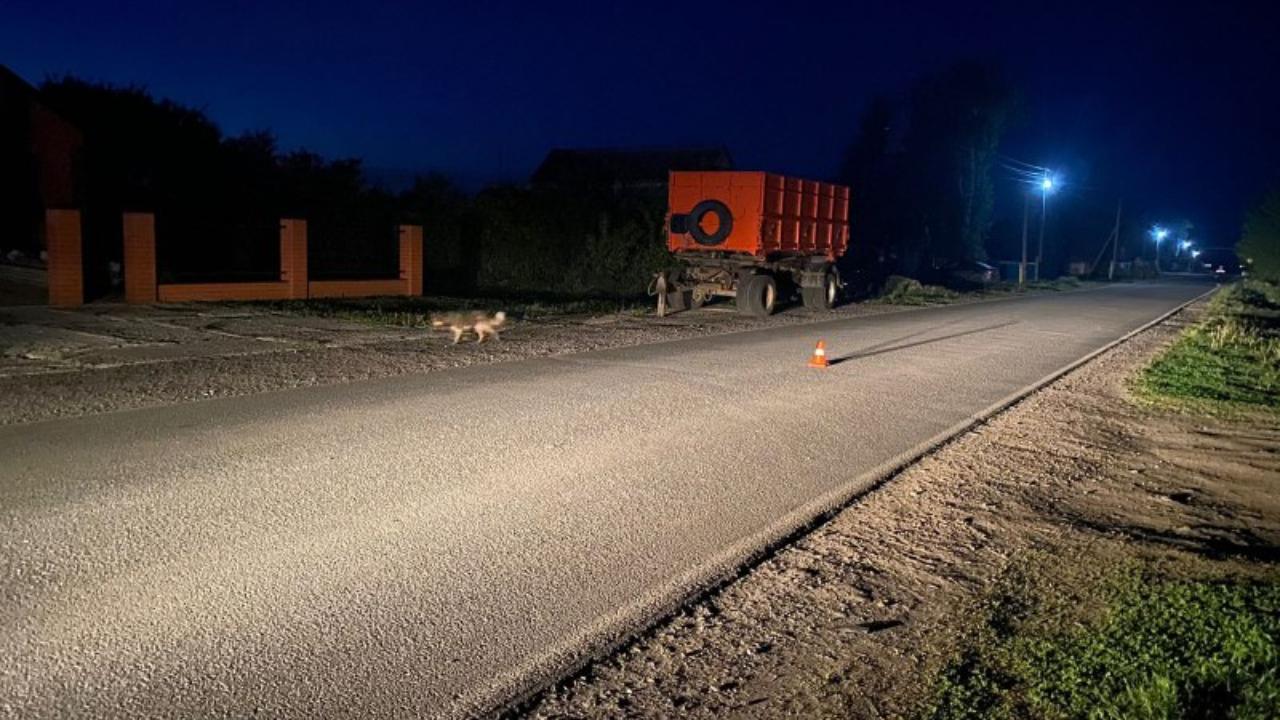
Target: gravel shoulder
<point>102,358</point>
<point>854,619</point>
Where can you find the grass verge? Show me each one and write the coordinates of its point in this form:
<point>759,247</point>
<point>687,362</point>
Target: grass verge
<point>906,291</point>
<point>1229,361</point>
<point>1154,649</point>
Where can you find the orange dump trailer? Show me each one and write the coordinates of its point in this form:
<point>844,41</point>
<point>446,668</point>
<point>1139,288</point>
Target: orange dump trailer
<point>754,236</point>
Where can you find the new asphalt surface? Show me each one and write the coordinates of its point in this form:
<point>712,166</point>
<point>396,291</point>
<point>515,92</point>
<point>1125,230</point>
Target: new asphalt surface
<point>437,545</point>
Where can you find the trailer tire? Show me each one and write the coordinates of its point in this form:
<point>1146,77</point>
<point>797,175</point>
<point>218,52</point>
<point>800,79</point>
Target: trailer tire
<point>757,295</point>
<point>724,219</point>
<point>824,296</point>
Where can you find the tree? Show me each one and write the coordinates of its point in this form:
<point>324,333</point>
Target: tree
<point>139,154</point>
<point>1259,246</point>
<point>957,117</point>
<point>920,169</point>
<point>870,171</point>
<point>217,200</point>
<point>447,219</point>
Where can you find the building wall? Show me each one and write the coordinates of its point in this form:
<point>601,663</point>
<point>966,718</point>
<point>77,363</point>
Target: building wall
<point>56,145</point>
<point>39,152</point>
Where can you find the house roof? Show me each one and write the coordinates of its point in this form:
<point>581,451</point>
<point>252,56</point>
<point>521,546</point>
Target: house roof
<point>565,166</point>
<point>13,86</point>
<point>16,93</point>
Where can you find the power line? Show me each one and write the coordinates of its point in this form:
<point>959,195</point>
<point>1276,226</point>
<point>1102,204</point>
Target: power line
<point>1030,166</point>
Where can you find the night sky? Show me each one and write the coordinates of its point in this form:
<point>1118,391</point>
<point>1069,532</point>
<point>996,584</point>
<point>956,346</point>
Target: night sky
<point>1174,107</point>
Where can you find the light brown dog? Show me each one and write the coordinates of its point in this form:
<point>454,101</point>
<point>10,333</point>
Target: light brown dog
<point>481,323</point>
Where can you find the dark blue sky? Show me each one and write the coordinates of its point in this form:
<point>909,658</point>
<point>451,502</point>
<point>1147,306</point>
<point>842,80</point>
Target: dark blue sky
<point>1174,107</point>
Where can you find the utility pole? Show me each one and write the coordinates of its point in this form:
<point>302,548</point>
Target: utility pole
<point>1044,209</point>
<point>1022,266</point>
<point>1113,239</point>
<point>1115,242</point>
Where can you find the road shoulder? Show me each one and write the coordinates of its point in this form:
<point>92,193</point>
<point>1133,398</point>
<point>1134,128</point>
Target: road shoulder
<point>856,618</point>
<point>103,358</point>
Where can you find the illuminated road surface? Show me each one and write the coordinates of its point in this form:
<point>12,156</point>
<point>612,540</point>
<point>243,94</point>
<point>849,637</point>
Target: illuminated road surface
<point>432,545</point>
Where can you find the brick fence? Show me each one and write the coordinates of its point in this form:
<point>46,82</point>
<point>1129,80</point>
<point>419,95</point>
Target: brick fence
<point>62,243</point>
<point>141,285</point>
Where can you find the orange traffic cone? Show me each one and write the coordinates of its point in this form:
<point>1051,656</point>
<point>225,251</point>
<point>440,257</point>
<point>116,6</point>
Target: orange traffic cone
<point>819,359</point>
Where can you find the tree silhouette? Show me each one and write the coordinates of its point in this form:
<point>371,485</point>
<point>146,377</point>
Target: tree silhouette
<point>1259,246</point>
<point>920,168</point>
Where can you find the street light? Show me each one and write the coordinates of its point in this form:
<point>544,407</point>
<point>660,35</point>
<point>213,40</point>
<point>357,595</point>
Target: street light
<point>1159,234</point>
<point>1041,178</point>
<point>1046,186</point>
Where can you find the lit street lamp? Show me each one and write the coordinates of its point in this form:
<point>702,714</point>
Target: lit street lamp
<point>1046,185</point>
<point>1158,233</point>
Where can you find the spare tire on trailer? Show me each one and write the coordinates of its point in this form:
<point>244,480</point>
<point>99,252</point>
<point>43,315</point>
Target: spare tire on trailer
<point>724,218</point>
<point>822,297</point>
<point>757,295</point>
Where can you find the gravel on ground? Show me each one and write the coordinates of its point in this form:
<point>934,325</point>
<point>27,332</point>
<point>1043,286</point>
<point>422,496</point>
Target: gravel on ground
<point>104,357</point>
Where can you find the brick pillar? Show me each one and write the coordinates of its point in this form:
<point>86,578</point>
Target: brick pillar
<point>139,258</point>
<point>62,243</point>
<point>411,258</point>
<point>293,257</point>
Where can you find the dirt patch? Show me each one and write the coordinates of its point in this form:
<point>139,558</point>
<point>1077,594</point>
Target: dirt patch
<point>853,620</point>
<point>56,363</point>
<point>105,357</point>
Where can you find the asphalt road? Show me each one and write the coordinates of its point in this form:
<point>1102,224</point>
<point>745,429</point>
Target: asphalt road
<point>432,545</point>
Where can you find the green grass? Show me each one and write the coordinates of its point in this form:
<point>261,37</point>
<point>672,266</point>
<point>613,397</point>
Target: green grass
<point>906,291</point>
<point>1230,360</point>
<point>1157,650</point>
<point>1066,282</point>
<point>415,311</point>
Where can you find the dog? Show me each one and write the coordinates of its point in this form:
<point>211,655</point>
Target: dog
<point>481,323</point>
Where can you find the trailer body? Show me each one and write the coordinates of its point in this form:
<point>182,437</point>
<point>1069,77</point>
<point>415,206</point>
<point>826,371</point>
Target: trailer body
<point>755,236</point>
<point>771,215</point>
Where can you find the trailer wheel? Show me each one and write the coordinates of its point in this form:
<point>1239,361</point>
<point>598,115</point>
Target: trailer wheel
<point>757,295</point>
<point>824,296</point>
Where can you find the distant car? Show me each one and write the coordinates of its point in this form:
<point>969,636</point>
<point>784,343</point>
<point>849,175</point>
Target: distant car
<point>1221,262</point>
<point>976,272</point>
